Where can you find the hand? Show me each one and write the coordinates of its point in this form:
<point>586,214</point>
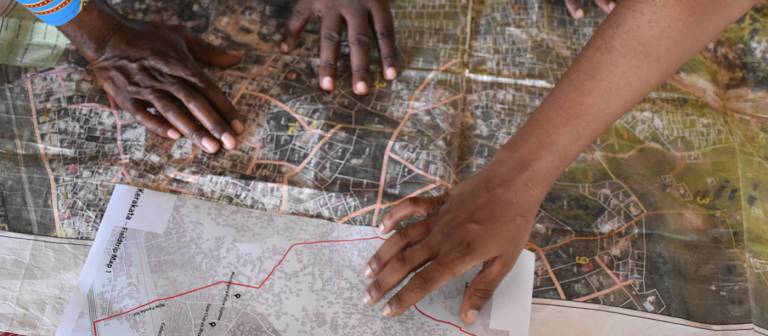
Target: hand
<point>574,7</point>
<point>355,13</point>
<point>486,219</point>
<point>143,65</point>
<point>150,65</point>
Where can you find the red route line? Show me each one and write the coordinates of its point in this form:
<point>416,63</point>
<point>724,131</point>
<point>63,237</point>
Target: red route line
<point>264,282</point>
<point>443,321</point>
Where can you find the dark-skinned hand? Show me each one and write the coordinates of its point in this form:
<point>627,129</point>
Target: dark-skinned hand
<point>577,12</point>
<point>361,33</point>
<point>151,71</point>
<point>485,220</point>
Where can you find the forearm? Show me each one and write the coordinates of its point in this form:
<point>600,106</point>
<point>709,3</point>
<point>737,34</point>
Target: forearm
<point>639,46</point>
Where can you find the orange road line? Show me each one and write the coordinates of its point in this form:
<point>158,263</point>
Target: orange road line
<point>254,157</point>
<point>118,130</point>
<point>314,151</point>
<point>357,213</point>
<point>419,171</point>
<point>444,102</point>
<point>549,270</point>
<point>178,190</point>
<point>616,279</point>
<point>44,158</point>
<point>326,138</point>
<point>178,168</point>
<point>369,208</point>
<point>604,291</point>
<point>607,270</point>
<point>253,163</point>
<point>396,132</point>
<point>607,235</point>
<point>299,118</point>
<point>250,78</point>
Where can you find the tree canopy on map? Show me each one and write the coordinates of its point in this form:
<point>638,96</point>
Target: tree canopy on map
<point>664,213</point>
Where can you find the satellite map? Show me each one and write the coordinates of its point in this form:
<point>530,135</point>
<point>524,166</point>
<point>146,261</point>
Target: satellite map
<point>181,266</point>
<point>664,214</point>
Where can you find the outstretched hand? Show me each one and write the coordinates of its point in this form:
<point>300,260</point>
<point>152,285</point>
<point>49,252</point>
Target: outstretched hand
<point>333,14</point>
<point>146,65</point>
<point>486,220</point>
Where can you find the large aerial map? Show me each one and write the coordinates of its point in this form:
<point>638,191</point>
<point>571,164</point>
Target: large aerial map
<point>664,214</point>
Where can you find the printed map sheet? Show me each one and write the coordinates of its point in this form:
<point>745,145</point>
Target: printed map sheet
<point>168,265</point>
<point>663,215</point>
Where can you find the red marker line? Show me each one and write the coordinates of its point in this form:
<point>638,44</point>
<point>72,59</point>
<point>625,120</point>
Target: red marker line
<point>263,282</point>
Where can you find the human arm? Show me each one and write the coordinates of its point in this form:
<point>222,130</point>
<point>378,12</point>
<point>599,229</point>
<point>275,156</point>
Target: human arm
<point>143,65</point>
<point>488,218</point>
<point>333,14</point>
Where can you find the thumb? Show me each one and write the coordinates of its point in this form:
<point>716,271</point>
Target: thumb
<point>205,52</point>
<point>484,284</point>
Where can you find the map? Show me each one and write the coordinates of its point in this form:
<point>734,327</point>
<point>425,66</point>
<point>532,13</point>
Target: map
<point>664,215</point>
<point>168,265</point>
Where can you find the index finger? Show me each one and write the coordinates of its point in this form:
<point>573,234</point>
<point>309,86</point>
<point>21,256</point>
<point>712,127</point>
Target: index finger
<point>430,278</point>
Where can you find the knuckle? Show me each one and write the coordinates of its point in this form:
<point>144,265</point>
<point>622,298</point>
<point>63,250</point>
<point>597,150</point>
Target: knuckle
<point>395,301</point>
<point>361,40</point>
<point>403,235</point>
<point>390,59</point>
<point>375,286</point>
<point>386,33</point>
<point>466,247</point>
<point>401,260</point>
<point>151,94</point>
<point>481,293</point>
<point>328,65</point>
<point>420,282</point>
<point>332,37</point>
<point>181,93</point>
<point>375,261</point>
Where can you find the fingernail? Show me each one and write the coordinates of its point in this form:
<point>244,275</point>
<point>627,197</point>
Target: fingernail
<point>210,145</point>
<point>367,299</point>
<point>471,316</point>
<point>368,272</point>
<point>229,141</point>
<point>237,126</point>
<point>236,53</point>
<point>579,14</point>
<point>390,73</point>
<point>361,88</point>
<point>326,83</point>
<point>173,134</point>
<point>283,47</point>
<point>387,310</point>
<point>611,6</point>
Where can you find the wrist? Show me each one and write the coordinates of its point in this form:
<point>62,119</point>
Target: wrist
<point>524,162</point>
<point>93,28</point>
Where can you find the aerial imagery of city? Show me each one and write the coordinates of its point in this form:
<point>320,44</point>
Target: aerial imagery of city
<point>662,214</point>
